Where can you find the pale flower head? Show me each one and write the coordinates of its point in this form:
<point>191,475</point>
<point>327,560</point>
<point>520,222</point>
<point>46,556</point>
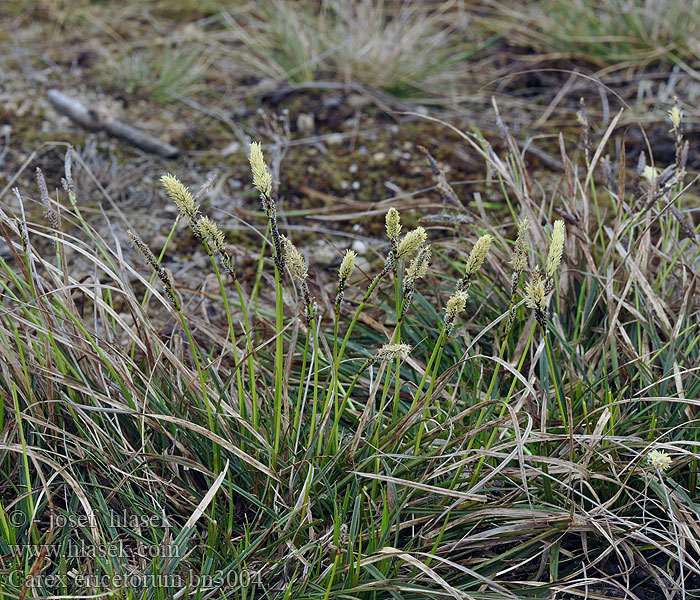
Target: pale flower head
<point>477,255</point>
<point>650,173</point>
<point>456,304</point>
<point>389,351</point>
<point>419,265</point>
<point>582,118</point>
<point>556,248</point>
<point>294,260</point>
<point>211,233</point>
<point>262,179</point>
<point>659,460</point>
<point>676,116</point>
<point>347,266</point>
<point>393,224</point>
<point>534,291</point>
<point>181,195</point>
<point>519,259</point>
<point>411,242</point>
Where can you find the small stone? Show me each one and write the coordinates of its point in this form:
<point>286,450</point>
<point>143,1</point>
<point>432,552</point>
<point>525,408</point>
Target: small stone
<point>305,123</point>
<point>379,156</point>
<point>232,148</point>
<point>359,246</point>
<point>362,264</point>
<point>321,254</point>
<point>335,138</point>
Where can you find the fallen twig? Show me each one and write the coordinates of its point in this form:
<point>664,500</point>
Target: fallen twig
<point>91,120</point>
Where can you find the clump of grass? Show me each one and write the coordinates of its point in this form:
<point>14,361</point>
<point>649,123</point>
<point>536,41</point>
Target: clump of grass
<point>165,74</point>
<point>509,420</point>
<point>604,32</point>
<point>367,43</point>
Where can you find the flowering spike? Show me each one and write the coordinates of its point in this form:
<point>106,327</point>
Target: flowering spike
<point>659,460</point>
<point>650,173</point>
<point>519,259</point>
<point>676,116</point>
<point>393,224</point>
<point>211,233</point>
<point>389,351</point>
<point>294,260</point>
<point>347,266</point>
<point>262,179</point>
<point>535,297</point>
<point>180,194</point>
<point>411,242</point>
<point>556,248</point>
<point>534,291</point>
<point>477,256</point>
<point>419,265</point>
<point>456,304</point>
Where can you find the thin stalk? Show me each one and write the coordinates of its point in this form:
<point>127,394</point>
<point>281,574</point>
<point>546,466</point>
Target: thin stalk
<point>429,394</point>
<point>279,363</point>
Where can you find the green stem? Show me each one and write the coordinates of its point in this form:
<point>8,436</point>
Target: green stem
<point>279,362</point>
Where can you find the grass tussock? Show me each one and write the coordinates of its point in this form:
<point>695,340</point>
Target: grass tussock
<point>164,75</point>
<point>504,412</point>
<point>377,44</point>
<point>623,33</point>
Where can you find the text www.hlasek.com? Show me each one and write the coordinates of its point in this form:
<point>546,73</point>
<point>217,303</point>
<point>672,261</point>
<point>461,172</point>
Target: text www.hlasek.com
<point>82,549</point>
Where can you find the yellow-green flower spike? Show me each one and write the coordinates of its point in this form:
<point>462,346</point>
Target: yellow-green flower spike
<point>419,265</point>
<point>411,242</point>
<point>391,351</point>
<point>659,460</point>
<point>650,173</point>
<point>534,291</point>
<point>477,255</point>
<point>519,259</point>
<point>211,233</point>
<point>181,195</point>
<point>393,224</point>
<point>556,248</point>
<point>294,260</point>
<point>676,116</point>
<point>456,304</point>
<point>347,266</point>
<point>262,179</point>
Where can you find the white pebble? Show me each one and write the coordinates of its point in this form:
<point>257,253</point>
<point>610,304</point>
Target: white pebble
<point>359,246</point>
